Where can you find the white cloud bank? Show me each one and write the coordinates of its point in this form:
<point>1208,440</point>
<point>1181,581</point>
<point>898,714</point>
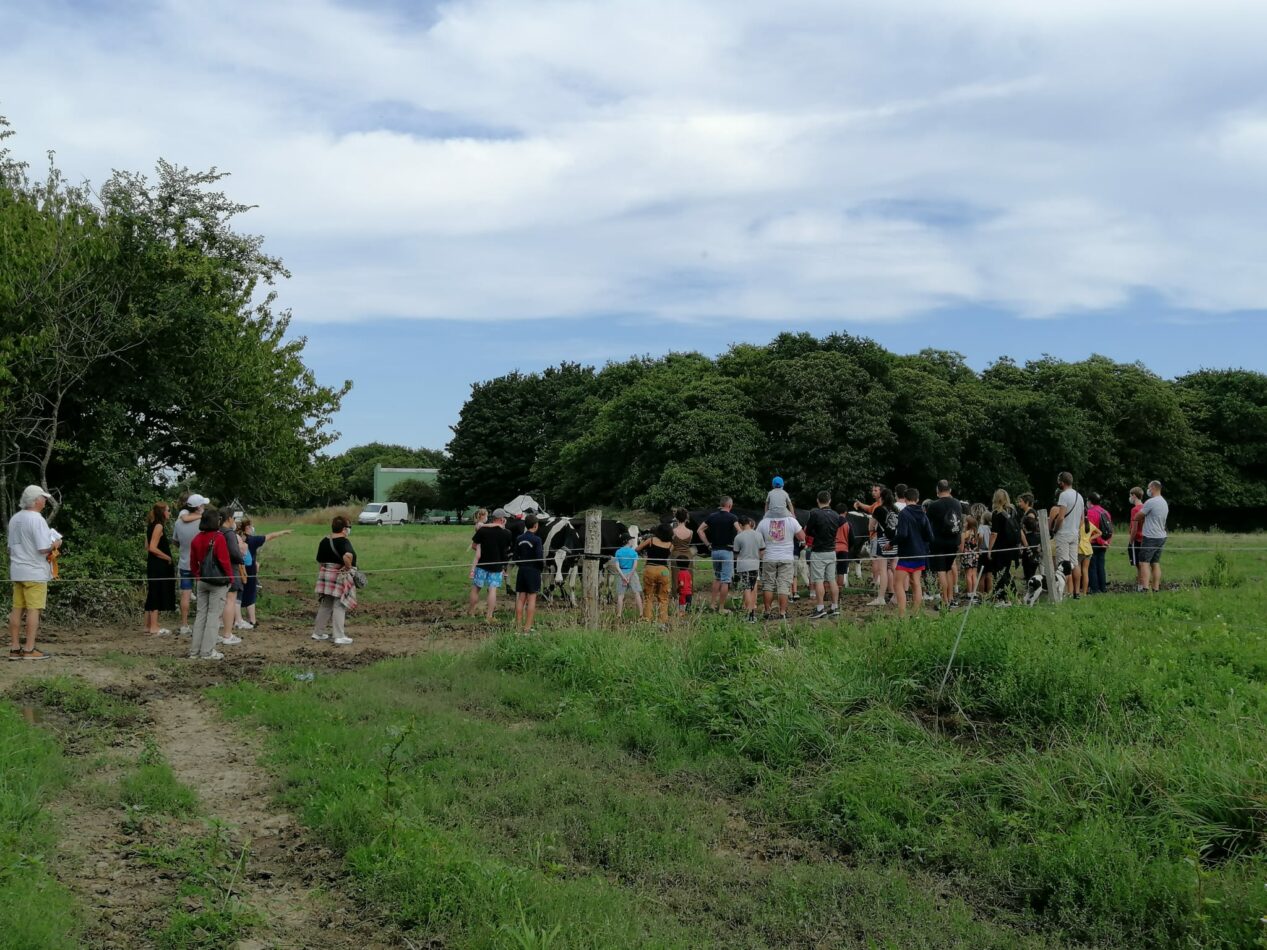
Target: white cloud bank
<point>687,160</point>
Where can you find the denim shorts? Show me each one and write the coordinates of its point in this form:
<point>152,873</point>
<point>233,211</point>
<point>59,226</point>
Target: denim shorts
<point>186,579</point>
<point>489,579</point>
<point>723,566</point>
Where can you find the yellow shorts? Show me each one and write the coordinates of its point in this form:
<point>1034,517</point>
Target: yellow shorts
<point>30,595</point>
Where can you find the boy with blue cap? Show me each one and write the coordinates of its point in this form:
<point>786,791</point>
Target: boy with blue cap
<point>777,502</point>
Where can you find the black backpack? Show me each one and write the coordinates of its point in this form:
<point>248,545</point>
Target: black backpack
<point>1106,525</point>
<point>210,571</point>
<point>1011,538</point>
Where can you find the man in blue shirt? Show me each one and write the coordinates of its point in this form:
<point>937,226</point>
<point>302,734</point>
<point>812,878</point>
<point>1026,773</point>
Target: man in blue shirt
<point>626,560</point>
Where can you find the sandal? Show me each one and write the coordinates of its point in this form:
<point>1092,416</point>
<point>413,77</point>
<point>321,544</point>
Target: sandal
<point>35,655</point>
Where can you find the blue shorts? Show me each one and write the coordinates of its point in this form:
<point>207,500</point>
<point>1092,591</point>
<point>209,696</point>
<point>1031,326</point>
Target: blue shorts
<point>528,581</point>
<point>186,579</point>
<point>489,579</point>
<point>912,565</point>
<point>723,566</point>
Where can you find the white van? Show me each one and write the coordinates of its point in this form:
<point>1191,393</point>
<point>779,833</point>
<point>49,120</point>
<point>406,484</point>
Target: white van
<point>384,512</point>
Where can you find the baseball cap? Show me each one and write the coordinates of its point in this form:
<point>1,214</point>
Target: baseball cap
<point>778,482</point>
<point>501,513</point>
<point>32,492</point>
<point>195,500</point>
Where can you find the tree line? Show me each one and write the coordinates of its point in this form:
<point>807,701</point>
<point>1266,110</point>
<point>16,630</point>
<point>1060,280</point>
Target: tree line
<point>840,412</point>
<point>141,347</point>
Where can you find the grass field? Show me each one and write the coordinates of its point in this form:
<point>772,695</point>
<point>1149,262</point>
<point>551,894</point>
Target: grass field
<point>1094,774</point>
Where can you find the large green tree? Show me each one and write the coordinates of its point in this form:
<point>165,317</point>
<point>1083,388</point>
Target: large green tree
<point>140,343</point>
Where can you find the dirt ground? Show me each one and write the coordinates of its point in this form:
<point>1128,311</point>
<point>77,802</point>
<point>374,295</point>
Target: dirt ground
<point>296,886</point>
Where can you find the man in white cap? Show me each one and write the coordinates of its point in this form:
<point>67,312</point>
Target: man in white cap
<point>185,530</point>
<point>31,541</point>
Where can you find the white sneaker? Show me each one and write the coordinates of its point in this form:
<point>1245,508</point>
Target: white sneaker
<point>230,641</point>
<point>342,640</point>
<point>321,636</point>
<point>186,630</point>
<point>243,625</point>
<point>162,632</point>
<point>878,602</point>
<point>214,655</point>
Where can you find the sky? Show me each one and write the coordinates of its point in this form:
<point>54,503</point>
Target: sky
<point>465,188</point>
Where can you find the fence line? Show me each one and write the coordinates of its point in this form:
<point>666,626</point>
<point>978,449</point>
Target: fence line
<point>695,559</point>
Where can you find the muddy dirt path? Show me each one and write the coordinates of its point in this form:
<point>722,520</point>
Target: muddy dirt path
<point>295,886</point>
<point>105,855</point>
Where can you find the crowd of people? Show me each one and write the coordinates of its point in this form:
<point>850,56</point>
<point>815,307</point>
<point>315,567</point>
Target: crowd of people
<point>941,550</point>
<point>948,547</point>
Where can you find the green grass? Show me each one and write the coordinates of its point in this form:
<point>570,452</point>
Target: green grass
<point>35,911</point>
<point>1094,774</point>
<point>206,914</point>
<point>377,548</point>
<point>151,788</point>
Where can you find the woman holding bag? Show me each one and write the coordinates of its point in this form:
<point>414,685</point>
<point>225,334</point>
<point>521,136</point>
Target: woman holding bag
<point>336,582</point>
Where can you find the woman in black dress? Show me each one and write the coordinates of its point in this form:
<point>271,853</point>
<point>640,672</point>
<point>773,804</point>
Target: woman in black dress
<point>160,570</point>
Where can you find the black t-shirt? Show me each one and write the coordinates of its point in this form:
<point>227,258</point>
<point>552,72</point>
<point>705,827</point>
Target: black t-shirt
<point>331,551</point>
<point>946,517</point>
<point>721,530</point>
<point>494,542</point>
<point>822,524</point>
<point>1004,532</point>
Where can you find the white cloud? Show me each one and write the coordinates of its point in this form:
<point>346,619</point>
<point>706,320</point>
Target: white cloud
<point>687,160</point>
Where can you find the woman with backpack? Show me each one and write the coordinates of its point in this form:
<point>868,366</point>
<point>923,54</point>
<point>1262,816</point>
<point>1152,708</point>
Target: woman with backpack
<point>883,547</point>
<point>1103,521</point>
<point>209,562</point>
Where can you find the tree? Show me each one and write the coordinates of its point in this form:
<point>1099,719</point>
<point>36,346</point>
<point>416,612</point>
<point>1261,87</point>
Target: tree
<point>479,470</point>
<point>1228,413</point>
<point>139,344</point>
<point>420,496</point>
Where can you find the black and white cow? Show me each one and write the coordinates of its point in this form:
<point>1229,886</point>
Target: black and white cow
<point>563,540</point>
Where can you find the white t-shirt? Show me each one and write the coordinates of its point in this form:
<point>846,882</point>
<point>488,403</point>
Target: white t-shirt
<point>29,535</point>
<point>778,534</point>
<point>1072,502</point>
<point>1156,510</point>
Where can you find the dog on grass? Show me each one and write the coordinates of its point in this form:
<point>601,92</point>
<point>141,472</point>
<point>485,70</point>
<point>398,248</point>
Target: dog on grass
<point>1035,586</point>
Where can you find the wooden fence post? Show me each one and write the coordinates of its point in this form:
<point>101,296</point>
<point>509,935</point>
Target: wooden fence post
<point>590,566</point>
<point>1049,563</point>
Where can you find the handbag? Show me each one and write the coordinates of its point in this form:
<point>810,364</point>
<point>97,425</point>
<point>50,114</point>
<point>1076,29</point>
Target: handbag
<point>359,578</point>
<point>210,571</point>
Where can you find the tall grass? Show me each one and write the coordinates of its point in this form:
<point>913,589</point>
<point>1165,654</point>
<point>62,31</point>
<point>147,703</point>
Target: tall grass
<point>1102,768</point>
